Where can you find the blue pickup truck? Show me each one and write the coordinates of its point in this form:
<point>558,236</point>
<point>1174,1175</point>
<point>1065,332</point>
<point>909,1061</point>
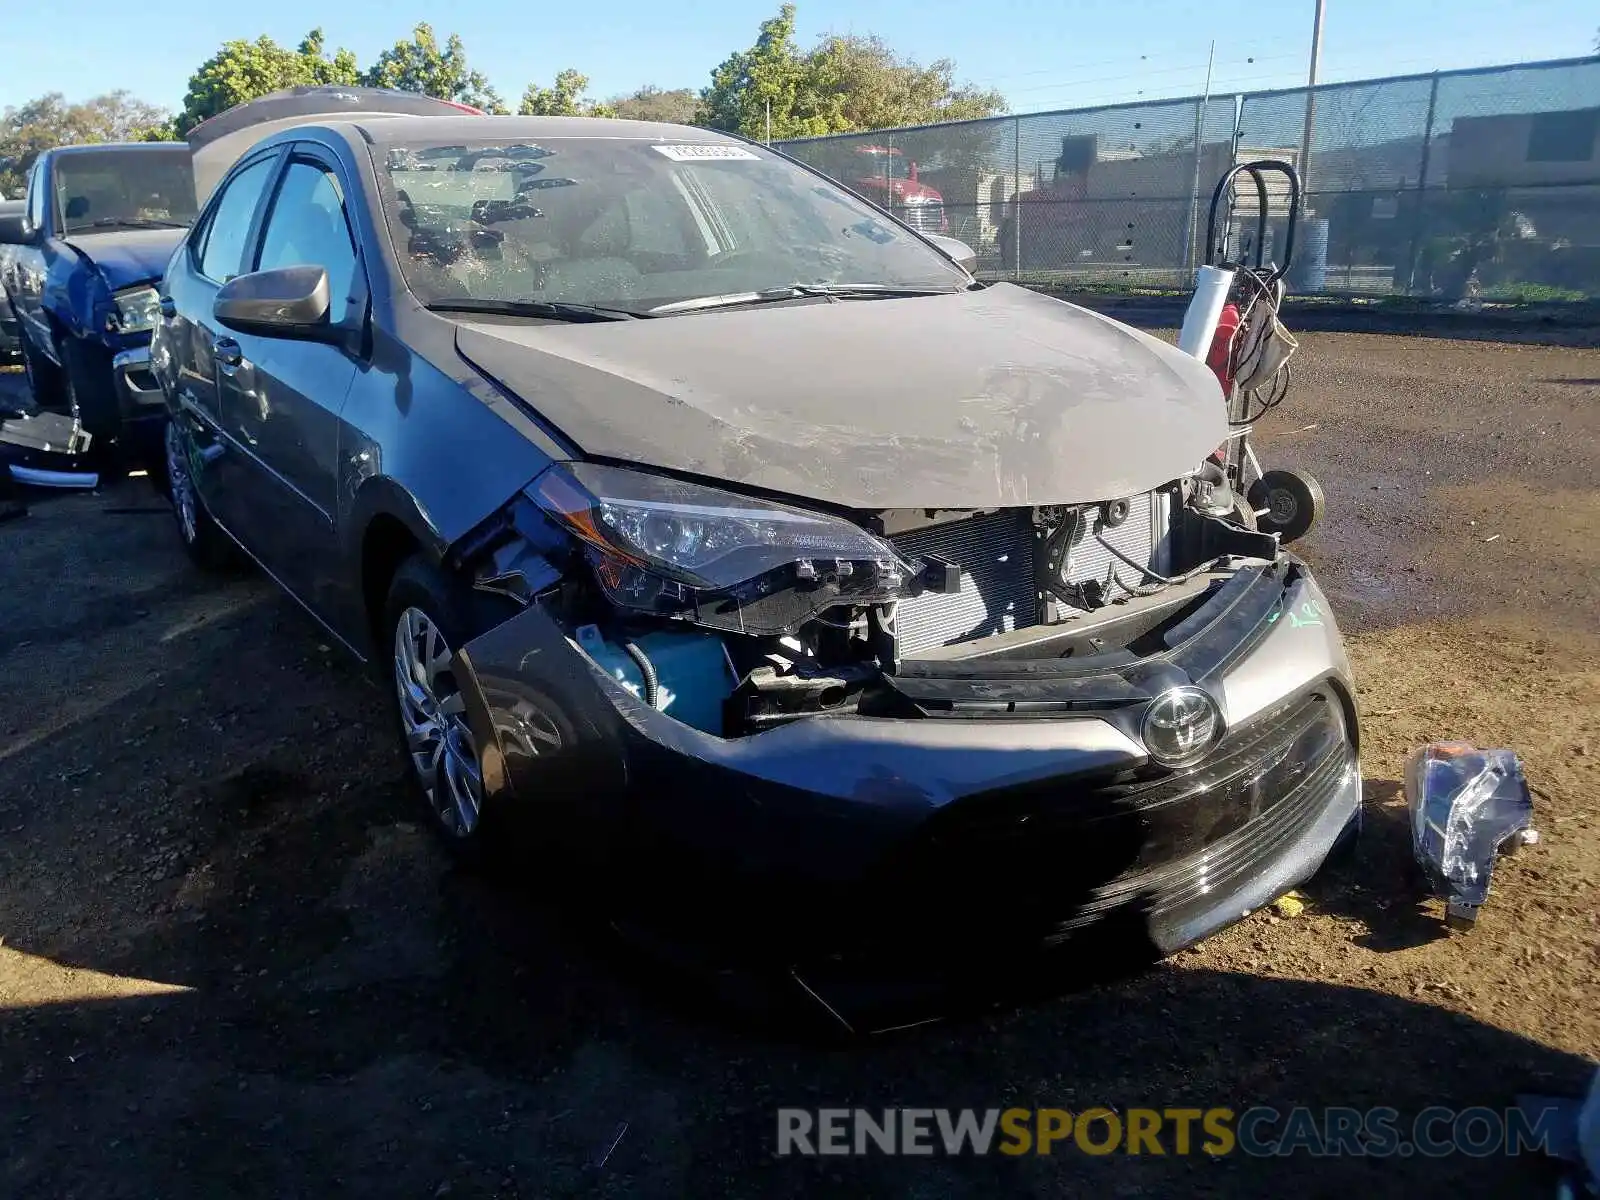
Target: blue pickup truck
<point>99,225</point>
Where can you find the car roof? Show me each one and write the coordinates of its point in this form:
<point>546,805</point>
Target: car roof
<point>399,129</point>
<point>92,147</point>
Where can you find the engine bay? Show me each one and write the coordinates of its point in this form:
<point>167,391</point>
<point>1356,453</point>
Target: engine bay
<point>945,590</point>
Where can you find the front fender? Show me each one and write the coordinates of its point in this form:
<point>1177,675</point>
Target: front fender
<point>74,291</point>
<point>371,496</point>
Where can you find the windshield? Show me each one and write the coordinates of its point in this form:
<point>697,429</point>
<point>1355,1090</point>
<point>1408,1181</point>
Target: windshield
<point>633,224</point>
<point>105,189</point>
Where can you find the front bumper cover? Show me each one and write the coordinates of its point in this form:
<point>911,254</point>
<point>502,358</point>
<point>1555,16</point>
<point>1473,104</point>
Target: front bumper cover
<point>140,404</point>
<point>850,828</point>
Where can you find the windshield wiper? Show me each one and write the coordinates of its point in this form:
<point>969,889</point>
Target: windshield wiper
<point>555,310</point>
<point>797,291</point>
<point>134,223</point>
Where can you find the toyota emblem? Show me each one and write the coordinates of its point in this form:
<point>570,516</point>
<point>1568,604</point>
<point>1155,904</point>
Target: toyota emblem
<point>1180,726</point>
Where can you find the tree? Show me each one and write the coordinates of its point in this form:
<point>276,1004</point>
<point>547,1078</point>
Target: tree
<point>863,84</point>
<point>419,65</point>
<point>761,87</point>
<point>845,83</point>
<point>29,129</point>
<point>241,71</point>
<point>564,98</point>
<point>650,103</point>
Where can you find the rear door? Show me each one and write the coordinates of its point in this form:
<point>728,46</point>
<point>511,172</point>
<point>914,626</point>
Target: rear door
<point>202,350</point>
<point>281,397</point>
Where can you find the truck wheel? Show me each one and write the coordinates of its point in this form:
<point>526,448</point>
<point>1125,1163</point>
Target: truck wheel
<point>44,377</point>
<point>1293,501</point>
<point>91,393</point>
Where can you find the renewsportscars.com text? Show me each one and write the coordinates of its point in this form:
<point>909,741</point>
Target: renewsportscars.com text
<point>1259,1131</point>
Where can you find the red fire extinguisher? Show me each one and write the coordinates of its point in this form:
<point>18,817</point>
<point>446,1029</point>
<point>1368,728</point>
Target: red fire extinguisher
<point>1219,357</point>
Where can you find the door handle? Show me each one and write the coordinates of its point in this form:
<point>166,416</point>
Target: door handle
<point>228,353</point>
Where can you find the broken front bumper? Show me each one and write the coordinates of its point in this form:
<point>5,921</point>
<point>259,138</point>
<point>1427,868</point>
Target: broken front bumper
<point>953,829</point>
<point>140,404</point>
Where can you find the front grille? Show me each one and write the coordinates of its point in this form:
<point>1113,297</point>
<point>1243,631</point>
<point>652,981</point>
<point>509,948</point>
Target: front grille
<point>924,218</point>
<point>996,554</point>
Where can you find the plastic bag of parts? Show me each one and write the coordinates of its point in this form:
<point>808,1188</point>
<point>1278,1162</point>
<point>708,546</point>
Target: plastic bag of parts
<point>1467,806</point>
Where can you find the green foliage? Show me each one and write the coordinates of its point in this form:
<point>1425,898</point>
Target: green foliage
<point>27,130</point>
<point>1532,293</point>
<point>420,65</point>
<point>860,83</point>
<point>564,98</point>
<point>650,103</point>
<point>241,71</point>
<point>844,84</point>
<point>763,84</point>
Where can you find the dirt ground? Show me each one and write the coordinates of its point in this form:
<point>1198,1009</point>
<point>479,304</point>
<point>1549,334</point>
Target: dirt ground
<point>234,965</point>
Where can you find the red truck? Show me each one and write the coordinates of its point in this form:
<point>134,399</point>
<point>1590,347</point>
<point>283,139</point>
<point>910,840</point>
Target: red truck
<point>887,177</point>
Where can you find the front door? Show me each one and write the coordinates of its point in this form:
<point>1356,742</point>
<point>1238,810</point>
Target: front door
<point>200,349</point>
<point>281,397</point>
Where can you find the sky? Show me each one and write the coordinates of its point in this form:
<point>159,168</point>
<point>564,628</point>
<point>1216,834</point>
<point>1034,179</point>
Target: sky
<point>1042,54</point>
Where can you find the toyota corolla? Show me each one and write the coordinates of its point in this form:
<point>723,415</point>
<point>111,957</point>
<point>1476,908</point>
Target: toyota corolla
<point>721,532</point>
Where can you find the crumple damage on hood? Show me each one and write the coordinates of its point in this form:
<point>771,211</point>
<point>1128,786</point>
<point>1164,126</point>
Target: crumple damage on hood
<point>996,397</point>
<point>126,257</point>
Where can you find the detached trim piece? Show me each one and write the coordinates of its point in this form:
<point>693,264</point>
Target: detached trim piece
<point>35,477</point>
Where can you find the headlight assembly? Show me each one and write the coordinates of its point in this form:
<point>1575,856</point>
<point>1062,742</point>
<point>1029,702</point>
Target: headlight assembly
<point>663,546</point>
<point>136,310</point>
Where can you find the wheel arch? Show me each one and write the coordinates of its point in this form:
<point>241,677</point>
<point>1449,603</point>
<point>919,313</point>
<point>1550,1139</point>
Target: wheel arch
<point>387,528</point>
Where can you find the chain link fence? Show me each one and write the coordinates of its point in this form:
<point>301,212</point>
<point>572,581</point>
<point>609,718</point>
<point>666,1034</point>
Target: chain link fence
<point>1452,186</point>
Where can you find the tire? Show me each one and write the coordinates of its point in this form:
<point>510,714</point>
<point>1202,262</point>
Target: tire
<point>1293,500</point>
<point>89,391</point>
<point>426,618</point>
<point>203,540</point>
<point>44,377</point>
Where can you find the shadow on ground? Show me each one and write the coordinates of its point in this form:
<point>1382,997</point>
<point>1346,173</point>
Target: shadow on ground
<point>363,1017</point>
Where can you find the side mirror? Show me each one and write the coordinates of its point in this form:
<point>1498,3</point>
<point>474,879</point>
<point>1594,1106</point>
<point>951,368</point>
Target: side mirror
<point>14,230</point>
<point>287,302</point>
<point>955,250</point>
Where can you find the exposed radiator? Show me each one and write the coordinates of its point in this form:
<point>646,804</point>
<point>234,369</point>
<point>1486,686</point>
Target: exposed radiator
<point>996,555</point>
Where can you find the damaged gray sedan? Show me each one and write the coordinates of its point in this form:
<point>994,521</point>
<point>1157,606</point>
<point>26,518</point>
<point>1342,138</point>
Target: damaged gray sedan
<point>725,534</point>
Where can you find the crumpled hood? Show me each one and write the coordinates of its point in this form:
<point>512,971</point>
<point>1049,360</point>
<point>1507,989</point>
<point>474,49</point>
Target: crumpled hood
<point>977,399</point>
<point>128,256</point>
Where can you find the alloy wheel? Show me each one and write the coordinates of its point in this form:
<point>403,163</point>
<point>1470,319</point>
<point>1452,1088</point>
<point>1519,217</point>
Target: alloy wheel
<point>183,498</point>
<point>434,721</point>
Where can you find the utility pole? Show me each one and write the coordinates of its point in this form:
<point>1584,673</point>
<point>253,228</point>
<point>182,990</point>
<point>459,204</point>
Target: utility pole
<point>1191,252</point>
<point>1304,164</point>
<point>769,113</point>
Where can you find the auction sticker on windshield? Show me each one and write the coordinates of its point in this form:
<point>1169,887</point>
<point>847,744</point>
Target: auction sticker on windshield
<point>701,152</point>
